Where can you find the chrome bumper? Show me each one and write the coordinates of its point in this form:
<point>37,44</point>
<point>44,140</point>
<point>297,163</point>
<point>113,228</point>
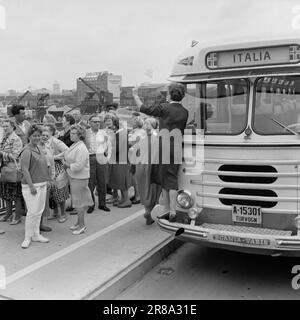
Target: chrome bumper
<point>198,234</point>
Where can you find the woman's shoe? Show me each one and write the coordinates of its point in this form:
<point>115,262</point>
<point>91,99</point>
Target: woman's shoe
<point>148,218</point>
<point>40,238</point>
<point>14,222</point>
<point>74,227</point>
<point>5,218</point>
<point>125,205</point>
<point>62,220</point>
<point>26,243</point>
<point>149,221</point>
<point>135,201</point>
<point>79,231</point>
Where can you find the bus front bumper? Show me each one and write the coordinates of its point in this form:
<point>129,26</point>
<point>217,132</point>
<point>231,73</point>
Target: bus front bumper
<point>229,239</point>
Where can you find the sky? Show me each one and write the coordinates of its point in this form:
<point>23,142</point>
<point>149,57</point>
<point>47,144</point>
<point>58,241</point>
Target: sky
<point>44,41</point>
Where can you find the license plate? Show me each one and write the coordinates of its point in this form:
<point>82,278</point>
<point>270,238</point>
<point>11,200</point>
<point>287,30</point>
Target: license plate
<point>246,214</point>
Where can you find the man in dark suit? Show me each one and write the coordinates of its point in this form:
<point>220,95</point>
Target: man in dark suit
<point>172,116</point>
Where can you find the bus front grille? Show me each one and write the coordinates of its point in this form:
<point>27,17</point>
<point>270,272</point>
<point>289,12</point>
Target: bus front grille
<point>250,169</point>
<point>260,195</point>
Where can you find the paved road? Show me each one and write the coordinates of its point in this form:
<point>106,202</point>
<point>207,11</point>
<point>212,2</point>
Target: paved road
<point>196,273</point>
<point>72,267</point>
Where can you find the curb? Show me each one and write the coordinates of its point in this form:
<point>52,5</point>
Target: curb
<point>134,272</point>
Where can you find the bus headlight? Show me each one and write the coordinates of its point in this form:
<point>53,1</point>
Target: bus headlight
<point>194,213</point>
<point>185,199</point>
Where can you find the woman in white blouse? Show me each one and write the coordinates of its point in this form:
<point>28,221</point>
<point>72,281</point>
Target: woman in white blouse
<point>60,190</point>
<point>77,165</point>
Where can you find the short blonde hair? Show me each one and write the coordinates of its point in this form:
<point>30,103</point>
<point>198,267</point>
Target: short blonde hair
<point>113,117</point>
<point>49,118</point>
<point>138,120</point>
<point>81,132</point>
<point>10,121</point>
<point>153,122</point>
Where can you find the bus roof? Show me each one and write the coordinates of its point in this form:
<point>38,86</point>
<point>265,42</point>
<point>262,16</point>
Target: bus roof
<point>237,59</point>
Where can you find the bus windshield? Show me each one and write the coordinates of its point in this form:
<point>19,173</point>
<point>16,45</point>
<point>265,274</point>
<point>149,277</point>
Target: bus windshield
<point>277,105</point>
<point>218,107</point>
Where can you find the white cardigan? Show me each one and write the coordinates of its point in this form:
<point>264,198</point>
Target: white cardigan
<point>78,158</point>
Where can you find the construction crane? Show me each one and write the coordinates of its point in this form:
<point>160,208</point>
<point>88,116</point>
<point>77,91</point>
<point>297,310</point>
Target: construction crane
<point>18,99</point>
<point>40,105</point>
<point>100,94</point>
<point>41,98</point>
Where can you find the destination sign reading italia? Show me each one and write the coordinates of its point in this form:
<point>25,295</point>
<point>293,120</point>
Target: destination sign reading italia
<point>253,57</point>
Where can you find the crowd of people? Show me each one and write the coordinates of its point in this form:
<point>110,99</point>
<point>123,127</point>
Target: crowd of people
<point>42,167</point>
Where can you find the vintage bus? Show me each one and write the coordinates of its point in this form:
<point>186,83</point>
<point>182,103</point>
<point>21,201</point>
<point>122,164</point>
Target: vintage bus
<point>241,192</point>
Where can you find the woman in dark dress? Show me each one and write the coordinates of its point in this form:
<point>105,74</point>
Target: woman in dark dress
<point>172,116</point>
<point>119,168</point>
<point>140,154</point>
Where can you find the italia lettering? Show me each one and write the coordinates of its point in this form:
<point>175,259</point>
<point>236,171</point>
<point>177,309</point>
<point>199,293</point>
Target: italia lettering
<point>251,57</point>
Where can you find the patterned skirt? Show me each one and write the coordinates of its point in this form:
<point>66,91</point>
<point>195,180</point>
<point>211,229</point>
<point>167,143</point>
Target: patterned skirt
<point>59,195</point>
<point>11,191</point>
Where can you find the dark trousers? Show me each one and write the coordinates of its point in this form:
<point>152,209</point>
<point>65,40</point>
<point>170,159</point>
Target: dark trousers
<point>98,178</point>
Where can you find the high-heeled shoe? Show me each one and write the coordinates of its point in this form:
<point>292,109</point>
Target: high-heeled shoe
<point>62,219</point>
<point>79,231</point>
<point>14,221</point>
<point>26,243</point>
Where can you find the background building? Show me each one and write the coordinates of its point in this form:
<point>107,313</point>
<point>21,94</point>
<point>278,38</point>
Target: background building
<point>101,81</point>
<point>114,84</point>
<point>56,88</point>
<point>12,93</point>
<point>126,97</point>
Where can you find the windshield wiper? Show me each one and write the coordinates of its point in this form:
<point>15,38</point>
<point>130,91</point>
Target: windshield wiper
<point>282,125</point>
<point>285,127</point>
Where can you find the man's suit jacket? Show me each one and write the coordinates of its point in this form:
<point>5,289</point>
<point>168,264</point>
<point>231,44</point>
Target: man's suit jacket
<point>23,135</point>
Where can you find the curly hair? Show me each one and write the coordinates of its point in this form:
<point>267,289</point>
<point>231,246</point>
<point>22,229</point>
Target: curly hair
<point>81,132</point>
<point>11,122</point>
<point>114,119</point>
<point>34,128</point>
<point>153,122</point>
<point>176,91</point>
<point>49,118</point>
<point>52,128</point>
<point>139,121</point>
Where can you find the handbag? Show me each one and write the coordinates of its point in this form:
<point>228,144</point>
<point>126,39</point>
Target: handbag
<point>11,172</point>
<point>62,179</point>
